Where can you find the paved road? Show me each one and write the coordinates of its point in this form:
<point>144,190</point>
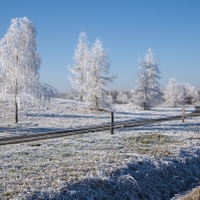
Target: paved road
<point>196,113</point>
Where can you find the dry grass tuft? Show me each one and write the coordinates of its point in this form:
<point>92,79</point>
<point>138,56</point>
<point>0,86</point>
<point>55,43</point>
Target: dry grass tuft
<point>193,195</point>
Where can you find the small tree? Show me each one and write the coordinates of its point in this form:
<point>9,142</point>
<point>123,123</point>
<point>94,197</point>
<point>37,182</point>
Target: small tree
<point>147,93</point>
<point>188,94</point>
<point>79,70</point>
<point>123,97</point>
<point>113,95</point>
<point>96,80</point>
<point>179,93</point>
<point>20,62</point>
<point>172,93</point>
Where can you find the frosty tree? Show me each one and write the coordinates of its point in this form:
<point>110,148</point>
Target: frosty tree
<point>147,93</point>
<point>188,94</point>
<point>123,97</point>
<point>20,62</point>
<point>172,93</point>
<point>179,93</point>
<point>82,62</point>
<point>88,73</point>
<point>97,81</point>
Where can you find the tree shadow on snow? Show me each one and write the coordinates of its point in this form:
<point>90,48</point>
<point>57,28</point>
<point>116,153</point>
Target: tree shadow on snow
<point>140,179</point>
<point>27,130</point>
<point>173,126</point>
<point>52,115</point>
<point>143,114</point>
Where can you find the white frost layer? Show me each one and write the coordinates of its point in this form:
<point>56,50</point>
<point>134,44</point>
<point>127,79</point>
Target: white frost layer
<point>100,165</point>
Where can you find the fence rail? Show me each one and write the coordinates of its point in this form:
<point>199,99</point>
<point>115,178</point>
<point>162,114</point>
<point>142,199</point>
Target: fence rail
<point>69,132</point>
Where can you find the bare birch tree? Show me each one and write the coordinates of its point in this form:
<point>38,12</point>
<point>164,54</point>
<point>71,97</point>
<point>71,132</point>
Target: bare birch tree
<point>20,61</point>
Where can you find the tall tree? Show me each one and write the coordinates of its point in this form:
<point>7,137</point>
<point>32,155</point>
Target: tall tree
<point>82,62</point>
<point>97,81</point>
<point>147,93</point>
<point>20,61</point>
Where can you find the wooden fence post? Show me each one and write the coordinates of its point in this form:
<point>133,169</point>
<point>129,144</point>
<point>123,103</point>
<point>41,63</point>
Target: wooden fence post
<point>145,106</point>
<point>183,113</point>
<point>111,123</point>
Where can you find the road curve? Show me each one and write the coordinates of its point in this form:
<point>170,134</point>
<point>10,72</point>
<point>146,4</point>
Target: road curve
<point>49,135</point>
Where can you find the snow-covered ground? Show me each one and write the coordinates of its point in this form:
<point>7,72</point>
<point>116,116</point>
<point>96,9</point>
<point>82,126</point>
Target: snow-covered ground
<point>62,114</point>
<point>155,161</point>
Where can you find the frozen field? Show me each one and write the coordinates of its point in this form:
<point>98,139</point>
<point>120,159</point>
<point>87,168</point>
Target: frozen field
<point>62,114</point>
<point>157,161</point>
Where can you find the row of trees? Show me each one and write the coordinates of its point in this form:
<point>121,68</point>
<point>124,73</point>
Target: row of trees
<point>90,82</point>
<point>20,64</point>
<point>88,75</point>
<point>147,93</point>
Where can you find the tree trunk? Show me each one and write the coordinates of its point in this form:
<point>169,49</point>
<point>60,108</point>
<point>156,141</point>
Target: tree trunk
<point>145,95</point>
<point>81,98</point>
<point>96,102</point>
<point>16,112</point>
<point>16,105</point>
<point>145,106</point>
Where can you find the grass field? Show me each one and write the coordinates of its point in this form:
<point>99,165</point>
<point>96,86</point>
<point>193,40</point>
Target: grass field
<point>155,161</point>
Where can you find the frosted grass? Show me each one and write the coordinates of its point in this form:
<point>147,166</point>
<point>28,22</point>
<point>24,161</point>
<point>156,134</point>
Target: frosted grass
<point>65,114</point>
<point>155,161</point>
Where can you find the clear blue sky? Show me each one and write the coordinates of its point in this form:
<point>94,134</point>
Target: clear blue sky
<point>126,27</point>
